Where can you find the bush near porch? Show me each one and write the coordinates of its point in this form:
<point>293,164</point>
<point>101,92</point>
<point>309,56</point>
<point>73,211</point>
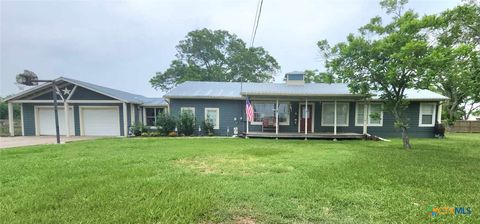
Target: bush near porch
<point>172,180</point>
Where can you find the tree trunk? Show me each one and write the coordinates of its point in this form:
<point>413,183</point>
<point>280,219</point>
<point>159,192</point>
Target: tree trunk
<point>406,140</point>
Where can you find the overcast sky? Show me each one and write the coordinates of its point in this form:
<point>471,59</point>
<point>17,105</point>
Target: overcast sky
<point>121,44</point>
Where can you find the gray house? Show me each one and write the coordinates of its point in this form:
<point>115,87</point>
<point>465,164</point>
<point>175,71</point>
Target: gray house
<point>92,110</point>
<point>291,109</point>
<point>299,109</point>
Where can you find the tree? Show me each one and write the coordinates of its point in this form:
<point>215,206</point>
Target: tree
<point>206,55</point>
<point>455,63</point>
<point>313,76</point>
<point>383,59</point>
<point>4,110</point>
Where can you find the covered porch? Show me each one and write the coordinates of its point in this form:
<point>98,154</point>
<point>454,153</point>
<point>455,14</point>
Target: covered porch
<point>297,135</point>
<point>313,117</point>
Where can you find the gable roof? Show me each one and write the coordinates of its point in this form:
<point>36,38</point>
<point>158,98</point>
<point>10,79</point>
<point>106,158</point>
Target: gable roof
<point>114,93</point>
<point>237,90</point>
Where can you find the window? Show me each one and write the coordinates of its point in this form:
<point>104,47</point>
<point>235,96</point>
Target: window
<point>374,117</point>
<point>188,110</point>
<point>151,114</point>
<point>328,114</point>
<point>427,115</point>
<point>213,115</point>
<point>267,109</point>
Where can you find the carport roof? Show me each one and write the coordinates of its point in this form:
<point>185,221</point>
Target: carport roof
<point>114,93</point>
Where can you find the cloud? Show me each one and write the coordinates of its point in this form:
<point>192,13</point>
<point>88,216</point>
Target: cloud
<point>121,44</point>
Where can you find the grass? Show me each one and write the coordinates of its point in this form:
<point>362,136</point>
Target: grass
<point>168,180</point>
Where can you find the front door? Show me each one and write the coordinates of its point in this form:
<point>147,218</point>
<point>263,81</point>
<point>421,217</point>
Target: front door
<point>308,115</point>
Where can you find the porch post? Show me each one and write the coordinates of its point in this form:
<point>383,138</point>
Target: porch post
<point>125,120</point>
<point>276,119</point>
<point>439,117</point>
<point>10,119</point>
<point>335,118</point>
<point>66,111</point>
<point>365,117</point>
<point>132,114</point>
<point>305,117</point>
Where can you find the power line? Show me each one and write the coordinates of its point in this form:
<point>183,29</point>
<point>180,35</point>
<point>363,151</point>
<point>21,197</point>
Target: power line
<point>256,22</point>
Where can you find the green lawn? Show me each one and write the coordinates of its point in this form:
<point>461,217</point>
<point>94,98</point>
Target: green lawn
<point>174,180</point>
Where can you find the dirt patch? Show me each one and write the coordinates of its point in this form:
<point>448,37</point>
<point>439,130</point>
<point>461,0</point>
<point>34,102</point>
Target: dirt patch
<point>245,220</point>
<point>229,165</point>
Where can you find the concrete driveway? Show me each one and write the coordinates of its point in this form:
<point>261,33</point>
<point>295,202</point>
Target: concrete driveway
<point>8,142</point>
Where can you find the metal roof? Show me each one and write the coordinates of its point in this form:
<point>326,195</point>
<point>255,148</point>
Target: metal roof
<point>235,90</point>
<point>114,93</point>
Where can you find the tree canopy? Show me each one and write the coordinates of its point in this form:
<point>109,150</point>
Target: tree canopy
<point>455,59</point>
<point>216,55</point>
<point>384,58</point>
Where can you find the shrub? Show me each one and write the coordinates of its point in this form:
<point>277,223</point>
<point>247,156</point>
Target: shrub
<point>165,123</point>
<point>208,127</point>
<point>172,134</point>
<point>144,134</point>
<point>138,129</point>
<point>186,124</point>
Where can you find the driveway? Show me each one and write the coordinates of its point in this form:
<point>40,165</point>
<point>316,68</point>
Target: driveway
<point>8,142</point>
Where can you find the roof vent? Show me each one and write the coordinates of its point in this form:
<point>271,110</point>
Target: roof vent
<point>295,78</point>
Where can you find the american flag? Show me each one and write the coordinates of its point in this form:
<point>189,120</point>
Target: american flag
<point>249,110</point>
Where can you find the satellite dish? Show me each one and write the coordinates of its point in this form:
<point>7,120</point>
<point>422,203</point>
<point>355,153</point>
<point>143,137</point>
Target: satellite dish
<point>27,78</point>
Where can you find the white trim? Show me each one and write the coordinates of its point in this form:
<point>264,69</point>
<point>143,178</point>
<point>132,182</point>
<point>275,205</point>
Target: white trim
<point>217,122</point>
<point>70,101</point>
<point>125,119</point>
<point>45,91</point>
<point>188,108</point>
<point>276,117</point>
<point>369,124</point>
<point>11,127</point>
<point>58,92</point>
<point>285,123</point>
<point>94,90</point>
<point>81,119</point>
<point>66,116</point>
<point>338,125</point>
<point>21,120</point>
<point>144,116</point>
<point>439,117</point>
<point>71,93</point>
<point>300,115</point>
<point>154,112</point>
<point>433,115</point>
<point>37,125</point>
<point>132,114</point>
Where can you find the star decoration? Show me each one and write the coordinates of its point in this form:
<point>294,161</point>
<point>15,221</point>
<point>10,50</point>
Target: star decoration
<point>66,91</point>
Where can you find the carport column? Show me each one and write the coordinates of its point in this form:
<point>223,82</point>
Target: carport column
<point>66,112</point>
<point>10,119</point>
<point>305,118</point>
<point>276,119</point>
<point>125,120</point>
<point>335,118</point>
<point>365,118</point>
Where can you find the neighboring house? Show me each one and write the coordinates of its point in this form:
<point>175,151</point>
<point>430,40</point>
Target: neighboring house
<point>304,109</point>
<point>93,110</point>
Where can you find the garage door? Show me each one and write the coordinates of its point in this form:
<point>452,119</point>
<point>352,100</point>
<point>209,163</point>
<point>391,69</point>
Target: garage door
<point>100,121</point>
<point>46,121</point>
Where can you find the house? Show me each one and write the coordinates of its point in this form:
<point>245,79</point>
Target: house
<point>304,110</point>
<point>311,110</point>
<point>92,110</point>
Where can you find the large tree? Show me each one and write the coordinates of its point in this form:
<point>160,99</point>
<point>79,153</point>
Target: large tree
<point>456,59</point>
<point>385,59</point>
<point>216,55</point>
